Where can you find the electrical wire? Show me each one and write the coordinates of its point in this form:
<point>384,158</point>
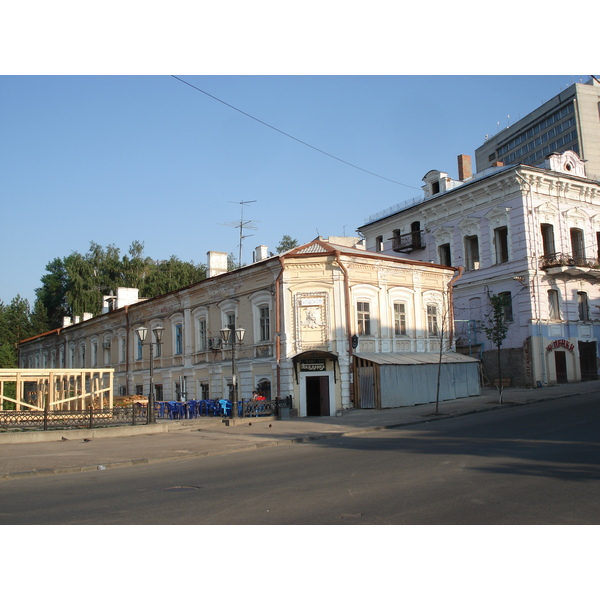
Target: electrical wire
<point>292,137</point>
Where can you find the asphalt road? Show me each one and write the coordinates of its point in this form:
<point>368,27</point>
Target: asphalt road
<point>535,464</point>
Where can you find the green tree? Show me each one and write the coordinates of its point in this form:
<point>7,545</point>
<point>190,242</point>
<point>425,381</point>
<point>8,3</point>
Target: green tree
<point>495,328</point>
<point>76,283</point>
<point>286,243</point>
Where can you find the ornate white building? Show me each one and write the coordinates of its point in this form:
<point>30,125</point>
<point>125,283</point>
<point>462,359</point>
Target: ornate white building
<point>531,234</point>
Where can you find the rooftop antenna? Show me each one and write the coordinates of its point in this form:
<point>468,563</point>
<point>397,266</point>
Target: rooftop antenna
<point>241,225</point>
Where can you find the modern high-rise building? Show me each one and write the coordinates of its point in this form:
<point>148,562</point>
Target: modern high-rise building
<point>569,121</point>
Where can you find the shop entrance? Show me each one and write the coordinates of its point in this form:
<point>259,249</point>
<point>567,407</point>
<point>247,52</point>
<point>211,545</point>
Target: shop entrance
<point>317,396</point>
<point>560,362</point>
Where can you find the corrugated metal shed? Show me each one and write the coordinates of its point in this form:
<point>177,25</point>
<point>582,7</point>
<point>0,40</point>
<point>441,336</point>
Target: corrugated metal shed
<point>390,380</point>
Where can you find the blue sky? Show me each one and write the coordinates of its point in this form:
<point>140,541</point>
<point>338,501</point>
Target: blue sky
<point>120,158</point>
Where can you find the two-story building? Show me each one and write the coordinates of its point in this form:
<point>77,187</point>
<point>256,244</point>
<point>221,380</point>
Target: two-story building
<point>328,324</point>
<point>529,234</point>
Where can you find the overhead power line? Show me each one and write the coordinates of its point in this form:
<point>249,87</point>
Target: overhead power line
<point>291,136</point>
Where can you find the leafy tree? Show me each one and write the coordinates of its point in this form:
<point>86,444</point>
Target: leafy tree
<point>495,328</point>
<point>286,243</point>
<point>76,283</point>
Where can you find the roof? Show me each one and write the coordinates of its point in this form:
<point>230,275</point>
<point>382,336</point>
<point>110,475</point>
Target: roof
<point>414,358</point>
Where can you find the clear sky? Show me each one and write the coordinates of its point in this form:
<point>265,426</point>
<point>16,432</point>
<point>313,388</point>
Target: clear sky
<point>113,159</point>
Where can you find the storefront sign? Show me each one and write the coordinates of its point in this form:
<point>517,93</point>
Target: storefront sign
<point>315,364</point>
<point>560,344</point>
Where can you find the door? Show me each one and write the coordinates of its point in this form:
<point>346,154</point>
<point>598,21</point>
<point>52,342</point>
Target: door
<point>560,360</point>
<point>367,387</point>
<point>588,361</point>
<point>317,396</point>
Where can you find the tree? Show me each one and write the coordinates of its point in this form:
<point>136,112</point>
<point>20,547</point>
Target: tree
<point>286,243</point>
<point>495,328</point>
<point>76,283</point>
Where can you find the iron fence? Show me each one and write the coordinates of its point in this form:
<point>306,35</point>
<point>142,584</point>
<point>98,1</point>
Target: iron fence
<point>72,419</point>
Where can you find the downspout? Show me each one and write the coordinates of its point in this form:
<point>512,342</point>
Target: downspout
<point>278,315</point>
<point>451,283</point>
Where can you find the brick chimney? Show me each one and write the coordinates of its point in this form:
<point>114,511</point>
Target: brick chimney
<point>465,171</point>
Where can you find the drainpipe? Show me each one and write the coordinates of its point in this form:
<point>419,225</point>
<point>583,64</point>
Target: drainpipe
<point>278,284</point>
<point>451,283</point>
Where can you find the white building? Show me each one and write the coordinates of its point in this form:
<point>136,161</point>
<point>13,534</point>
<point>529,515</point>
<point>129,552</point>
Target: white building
<point>531,234</point>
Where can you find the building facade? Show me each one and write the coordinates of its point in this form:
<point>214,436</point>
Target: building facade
<point>529,234</point>
<point>569,121</point>
<point>307,314</point>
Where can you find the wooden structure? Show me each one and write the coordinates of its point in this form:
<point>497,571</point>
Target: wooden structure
<point>56,389</point>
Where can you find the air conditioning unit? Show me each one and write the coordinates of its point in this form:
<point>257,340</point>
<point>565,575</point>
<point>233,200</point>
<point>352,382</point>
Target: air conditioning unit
<point>215,343</point>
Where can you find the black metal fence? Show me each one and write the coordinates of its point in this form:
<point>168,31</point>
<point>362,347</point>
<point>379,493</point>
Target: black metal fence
<point>72,419</point>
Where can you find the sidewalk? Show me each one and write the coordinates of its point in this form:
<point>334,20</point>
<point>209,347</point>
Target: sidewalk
<point>210,436</point>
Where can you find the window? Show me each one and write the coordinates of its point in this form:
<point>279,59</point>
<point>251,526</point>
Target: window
<point>501,244</point>
<point>471,252</point>
<point>399,318</point>
<point>264,326</point>
<point>157,350</point>
<point>598,245</point>
<point>179,338</point>
<point>140,348</point>
<point>577,246</point>
<point>553,307</point>
<point>94,354</point>
<point>508,311</point>
<point>445,256</point>
<point>204,391</point>
<point>158,392</point>
<point>415,229</point>
<point>202,334</point>
<point>364,318</point>
<point>379,243</point>
<point>432,320</point>
<point>82,355</point>
<point>548,240</point>
<point>122,350</point>
<point>139,390</point>
<point>582,306</point>
<point>230,317</point>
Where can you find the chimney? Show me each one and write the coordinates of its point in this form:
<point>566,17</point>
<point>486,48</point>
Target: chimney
<point>498,163</point>
<point>66,321</point>
<point>260,253</point>
<point>217,263</point>
<point>465,171</point>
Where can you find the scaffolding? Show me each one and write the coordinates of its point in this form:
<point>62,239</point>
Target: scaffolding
<point>56,389</point>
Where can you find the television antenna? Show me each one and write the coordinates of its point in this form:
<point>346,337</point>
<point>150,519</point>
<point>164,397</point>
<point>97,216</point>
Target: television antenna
<point>242,225</point>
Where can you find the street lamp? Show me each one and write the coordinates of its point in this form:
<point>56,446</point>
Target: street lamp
<point>236,338</point>
<point>158,333</point>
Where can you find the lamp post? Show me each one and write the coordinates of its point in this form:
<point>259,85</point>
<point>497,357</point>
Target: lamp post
<point>237,337</point>
<point>158,333</point>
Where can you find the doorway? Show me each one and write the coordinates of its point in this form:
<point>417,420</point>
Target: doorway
<point>588,361</point>
<point>560,361</point>
<point>317,396</point>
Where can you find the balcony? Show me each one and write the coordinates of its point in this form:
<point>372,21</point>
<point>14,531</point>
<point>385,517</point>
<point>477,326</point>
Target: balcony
<point>408,242</point>
<point>558,263</point>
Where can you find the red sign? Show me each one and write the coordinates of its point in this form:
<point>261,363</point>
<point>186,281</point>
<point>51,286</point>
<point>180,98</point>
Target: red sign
<point>560,344</point>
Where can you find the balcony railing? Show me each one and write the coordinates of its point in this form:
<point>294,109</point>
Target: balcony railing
<point>566,260</point>
<point>408,242</point>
